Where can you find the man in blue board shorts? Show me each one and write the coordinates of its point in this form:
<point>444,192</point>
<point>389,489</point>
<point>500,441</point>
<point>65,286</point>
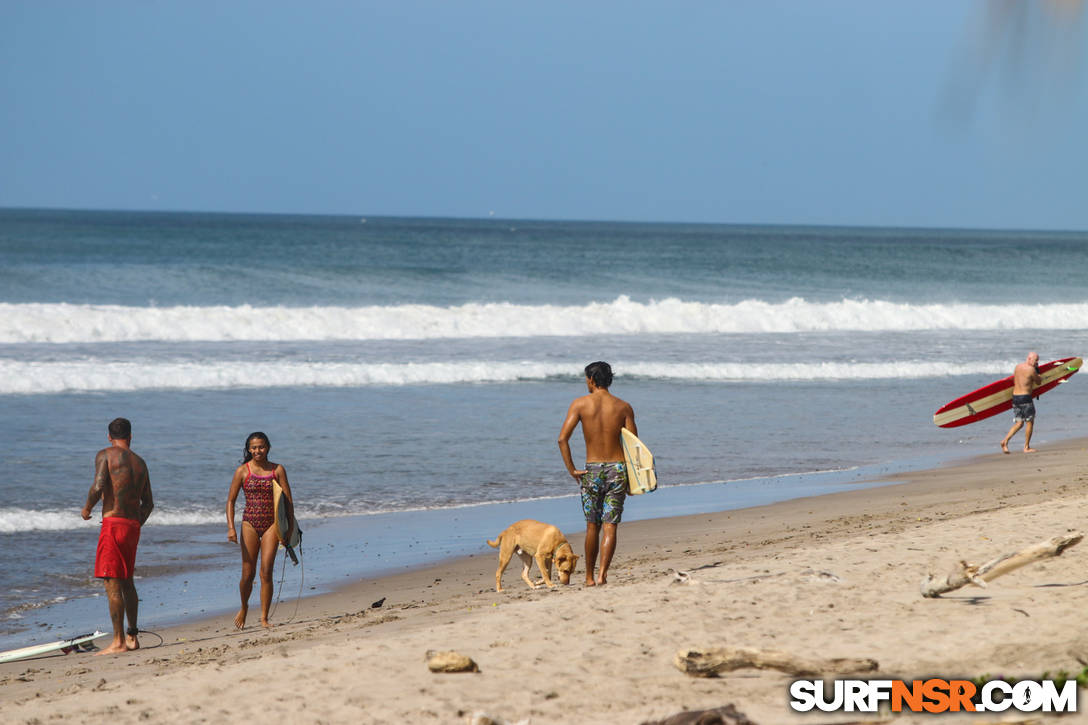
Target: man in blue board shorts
<point>603,482</point>
<point>1025,378</point>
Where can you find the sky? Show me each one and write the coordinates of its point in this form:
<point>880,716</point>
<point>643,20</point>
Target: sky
<point>923,113</point>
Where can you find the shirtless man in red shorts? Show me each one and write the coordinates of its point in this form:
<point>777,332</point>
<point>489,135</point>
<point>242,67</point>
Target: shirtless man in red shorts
<point>122,483</point>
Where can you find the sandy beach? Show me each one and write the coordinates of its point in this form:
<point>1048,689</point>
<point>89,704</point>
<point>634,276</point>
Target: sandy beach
<point>831,576</point>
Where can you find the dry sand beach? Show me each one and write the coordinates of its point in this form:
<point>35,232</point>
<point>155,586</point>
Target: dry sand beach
<point>832,576</point>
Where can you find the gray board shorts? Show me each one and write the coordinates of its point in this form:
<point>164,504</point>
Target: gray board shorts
<point>1023,408</point>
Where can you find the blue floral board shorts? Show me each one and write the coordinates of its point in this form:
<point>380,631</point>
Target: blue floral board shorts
<point>604,489</point>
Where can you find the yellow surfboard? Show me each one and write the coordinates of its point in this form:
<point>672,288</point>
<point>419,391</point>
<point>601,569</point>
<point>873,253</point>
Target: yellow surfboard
<point>641,472</point>
<point>286,527</point>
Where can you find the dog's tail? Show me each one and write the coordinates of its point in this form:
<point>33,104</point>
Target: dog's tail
<point>495,544</point>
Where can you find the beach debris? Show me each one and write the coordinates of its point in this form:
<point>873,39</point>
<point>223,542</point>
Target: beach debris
<point>820,577</point>
<point>934,586</point>
<point>682,577</point>
<point>711,565</point>
<point>712,662</point>
<point>450,661</point>
<point>482,718</point>
<point>685,577</point>
<point>378,604</point>
<point>724,715</point>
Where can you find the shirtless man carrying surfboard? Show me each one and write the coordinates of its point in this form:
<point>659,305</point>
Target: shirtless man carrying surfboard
<point>603,482</point>
<point>1025,378</point>
<point>122,483</point>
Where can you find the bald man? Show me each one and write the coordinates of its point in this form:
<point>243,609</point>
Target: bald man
<point>1025,378</point>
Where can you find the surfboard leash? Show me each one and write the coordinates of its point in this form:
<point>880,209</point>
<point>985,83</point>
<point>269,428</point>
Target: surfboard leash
<point>283,578</point>
<point>148,631</point>
<point>91,646</point>
<point>279,588</point>
<point>301,581</point>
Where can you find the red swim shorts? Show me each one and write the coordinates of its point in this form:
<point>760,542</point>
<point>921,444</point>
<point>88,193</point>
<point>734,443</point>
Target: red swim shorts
<point>116,557</point>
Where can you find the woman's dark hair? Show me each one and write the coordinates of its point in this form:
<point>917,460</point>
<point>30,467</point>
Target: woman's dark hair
<point>257,434</point>
<point>600,373</point>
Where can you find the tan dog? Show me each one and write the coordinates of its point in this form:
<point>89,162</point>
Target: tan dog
<point>534,540</point>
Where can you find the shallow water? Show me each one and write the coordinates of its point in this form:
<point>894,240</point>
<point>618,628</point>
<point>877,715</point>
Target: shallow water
<point>408,368</point>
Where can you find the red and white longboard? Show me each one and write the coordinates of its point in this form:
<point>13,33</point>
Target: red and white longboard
<point>997,396</point>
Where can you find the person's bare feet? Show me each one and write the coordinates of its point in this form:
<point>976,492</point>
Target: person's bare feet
<point>266,624</point>
<point>132,641</point>
<point>116,647</point>
<point>590,582</point>
<point>240,618</point>
<point>1005,446</point>
<point>1029,450</point>
<point>602,580</point>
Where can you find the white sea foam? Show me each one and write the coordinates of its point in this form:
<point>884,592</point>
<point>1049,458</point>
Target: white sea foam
<point>18,520</point>
<point>69,323</point>
<point>22,378</point>
<point>15,520</point>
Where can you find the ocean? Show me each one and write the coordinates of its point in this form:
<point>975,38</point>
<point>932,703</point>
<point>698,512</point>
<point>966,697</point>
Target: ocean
<point>412,375</point>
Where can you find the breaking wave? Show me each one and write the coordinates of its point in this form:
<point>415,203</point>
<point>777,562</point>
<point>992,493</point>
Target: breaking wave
<point>69,323</point>
<point>23,378</point>
<point>15,520</point>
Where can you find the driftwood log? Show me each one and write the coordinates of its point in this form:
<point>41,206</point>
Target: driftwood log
<point>712,662</point>
<point>934,586</point>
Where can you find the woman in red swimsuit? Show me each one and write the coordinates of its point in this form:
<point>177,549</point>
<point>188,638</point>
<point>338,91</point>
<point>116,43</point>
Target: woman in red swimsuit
<point>255,477</point>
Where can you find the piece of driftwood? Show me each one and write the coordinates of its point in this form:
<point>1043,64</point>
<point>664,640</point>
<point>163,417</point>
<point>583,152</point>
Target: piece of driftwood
<point>712,662</point>
<point>724,715</point>
<point>935,586</point>
<point>450,661</point>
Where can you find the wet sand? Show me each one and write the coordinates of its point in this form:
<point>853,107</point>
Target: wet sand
<point>829,576</point>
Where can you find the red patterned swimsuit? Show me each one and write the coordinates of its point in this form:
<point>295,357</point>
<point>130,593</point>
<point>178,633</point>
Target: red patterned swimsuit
<point>259,511</point>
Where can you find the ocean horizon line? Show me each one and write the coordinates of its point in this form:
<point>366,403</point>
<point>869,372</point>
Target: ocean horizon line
<point>499,219</point>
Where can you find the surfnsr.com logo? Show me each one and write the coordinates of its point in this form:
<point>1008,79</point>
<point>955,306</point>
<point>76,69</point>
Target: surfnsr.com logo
<point>933,695</point>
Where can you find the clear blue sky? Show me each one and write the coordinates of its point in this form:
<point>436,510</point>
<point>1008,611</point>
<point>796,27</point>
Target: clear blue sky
<point>923,113</point>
